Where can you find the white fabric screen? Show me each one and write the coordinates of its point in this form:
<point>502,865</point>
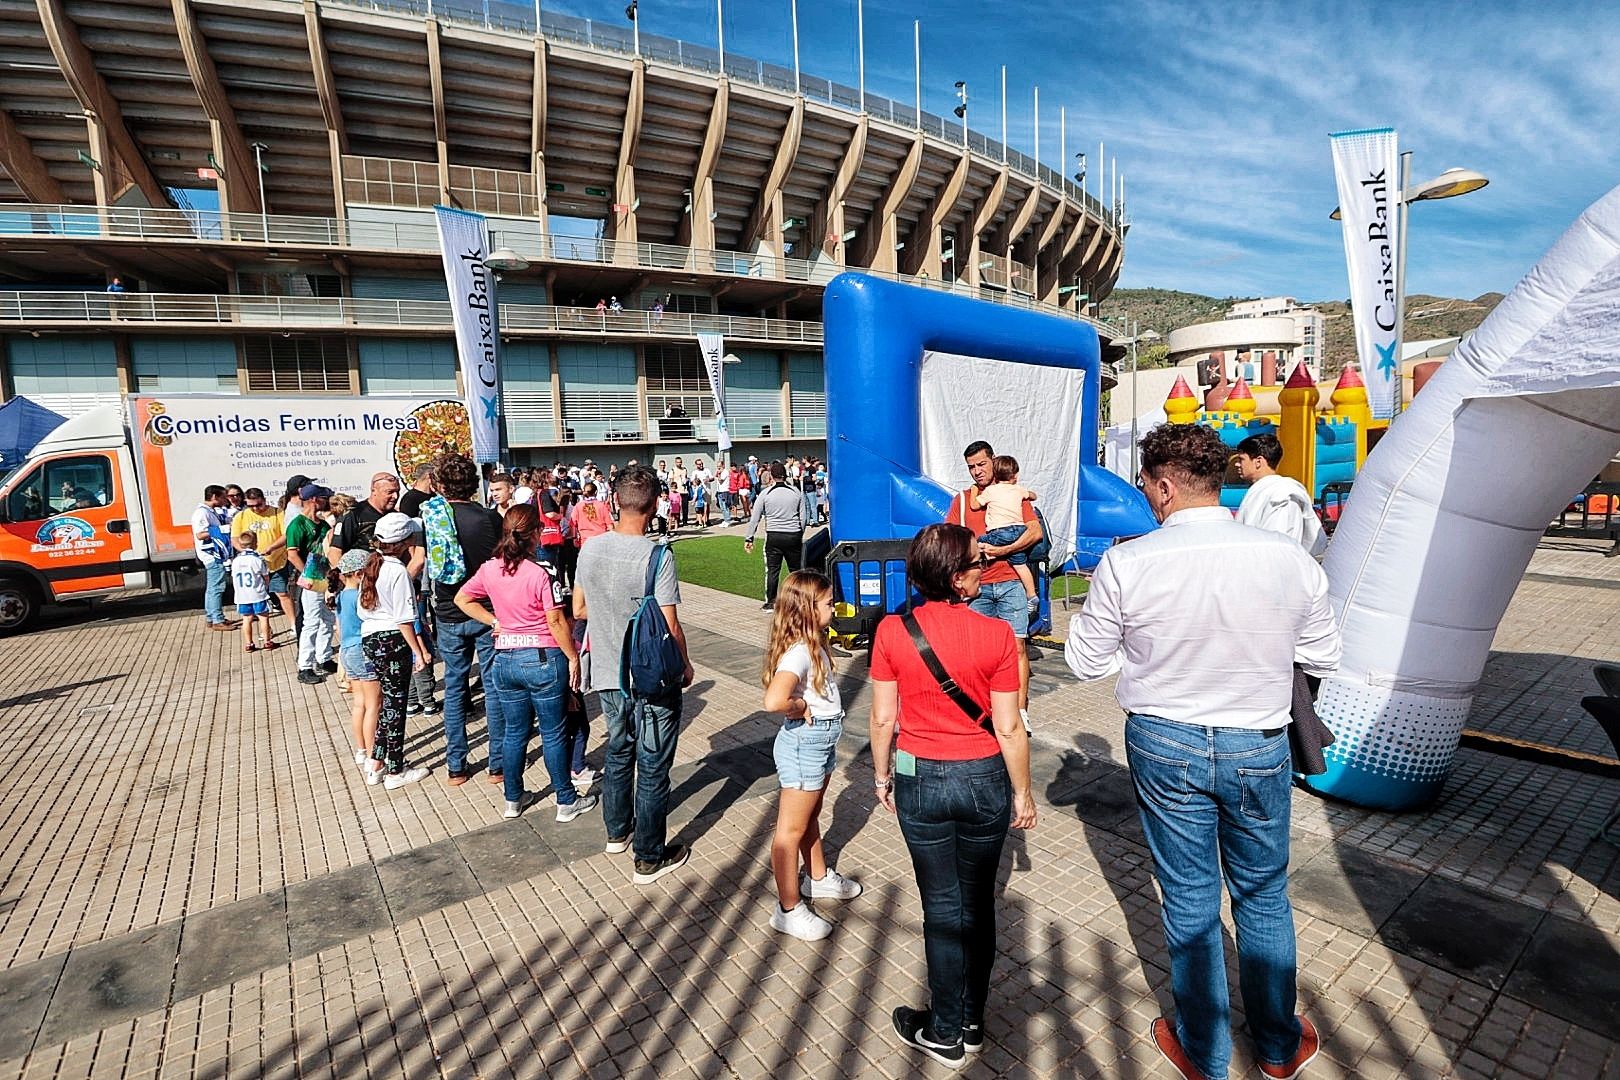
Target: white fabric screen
<point>1030,412</point>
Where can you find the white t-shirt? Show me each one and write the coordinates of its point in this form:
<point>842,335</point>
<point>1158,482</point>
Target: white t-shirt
<point>201,519</point>
<point>251,578</point>
<point>396,600</point>
<point>829,706</point>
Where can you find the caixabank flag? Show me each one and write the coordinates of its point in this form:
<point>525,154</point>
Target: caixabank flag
<point>464,243</point>
<point>1367,168</point>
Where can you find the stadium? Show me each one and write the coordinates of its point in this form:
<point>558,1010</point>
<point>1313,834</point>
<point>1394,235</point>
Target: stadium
<point>260,177</point>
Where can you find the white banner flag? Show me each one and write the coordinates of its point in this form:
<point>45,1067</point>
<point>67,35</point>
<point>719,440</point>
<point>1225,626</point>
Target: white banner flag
<point>713,349</point>
<point>1366,165</point>
<point>464,243</point>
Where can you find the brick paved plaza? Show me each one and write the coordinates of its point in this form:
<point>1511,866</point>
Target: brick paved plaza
<point>197,883</point>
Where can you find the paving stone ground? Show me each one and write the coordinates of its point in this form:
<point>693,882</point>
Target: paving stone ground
<point>196,883</point>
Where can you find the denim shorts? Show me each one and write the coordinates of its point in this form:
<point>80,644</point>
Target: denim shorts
<point>355,664</point>
<point>805,753</point>
<point>280,580</point>
<point>1004,600</point>
<point>1007,534</point>
<point>248,610</point>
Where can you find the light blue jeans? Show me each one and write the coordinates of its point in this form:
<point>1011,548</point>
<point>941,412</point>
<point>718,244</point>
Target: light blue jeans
<point>533,684</point>
<point>1215,799</point>
<point>214,592</point>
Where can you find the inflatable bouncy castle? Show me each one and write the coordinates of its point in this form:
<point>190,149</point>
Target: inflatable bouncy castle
<point>913,375</point>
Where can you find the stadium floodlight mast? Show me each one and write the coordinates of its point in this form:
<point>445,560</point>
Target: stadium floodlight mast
<point>961,110</point>
<point>630,11</point>
<point>264,211</point>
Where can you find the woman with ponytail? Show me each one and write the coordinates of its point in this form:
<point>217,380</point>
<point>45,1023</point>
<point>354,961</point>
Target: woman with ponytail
<point>536,663</point>
<point>388,638</point>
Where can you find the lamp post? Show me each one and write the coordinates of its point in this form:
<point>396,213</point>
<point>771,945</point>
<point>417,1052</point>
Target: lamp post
<point>1447,185</point>
<point>264,212</point>
<point>630,12</point>
<point>961,110</point>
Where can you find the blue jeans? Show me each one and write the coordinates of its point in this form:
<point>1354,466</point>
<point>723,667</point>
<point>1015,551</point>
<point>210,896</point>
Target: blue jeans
<point>640,749</point>
<point>214,592</point>
<point>459,642</point>
<point>1004,600</point>
<point>954,817</point>
<point>533,684</point>
<point>1214,799</point>
<point>1007,534</point>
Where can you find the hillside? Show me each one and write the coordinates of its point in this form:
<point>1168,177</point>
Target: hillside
<point>1164,310</point>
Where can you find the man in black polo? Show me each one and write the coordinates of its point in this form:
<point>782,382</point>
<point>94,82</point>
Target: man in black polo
<point>782,508</point>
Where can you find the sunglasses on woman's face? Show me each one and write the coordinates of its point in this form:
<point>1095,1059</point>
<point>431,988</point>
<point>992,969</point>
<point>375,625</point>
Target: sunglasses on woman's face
<point>978,562</point>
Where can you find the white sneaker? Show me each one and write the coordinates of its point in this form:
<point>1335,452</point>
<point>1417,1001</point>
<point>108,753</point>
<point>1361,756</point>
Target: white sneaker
<point>526,800</point>
<point>374,776</point>
<point>583,804</point>
<point>361,755</point>
<point>585,780</point>
<point>409,776</point>
<point>834,886</point>
<point>801,922</point>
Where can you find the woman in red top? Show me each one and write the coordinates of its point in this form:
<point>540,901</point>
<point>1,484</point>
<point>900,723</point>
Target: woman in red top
<point>956,781</point>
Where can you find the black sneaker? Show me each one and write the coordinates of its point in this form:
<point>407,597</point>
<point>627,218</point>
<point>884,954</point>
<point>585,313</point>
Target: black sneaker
<point>912,1027</point>
<point>310,677</point>
<point>414,708</point>
<point>767,606</point>
<point>675,856</point>
<point>973,1038</point>
<point>433,708</point>
<point>330,667</point>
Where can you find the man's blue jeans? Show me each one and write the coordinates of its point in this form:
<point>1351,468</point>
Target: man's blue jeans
<point>459,642</point>
<point>214,592</point>
<point>954,817</point>
<point>1215,799</point>
<point>640,749</point>
<point>533,686</point>
<point>1004,600</point>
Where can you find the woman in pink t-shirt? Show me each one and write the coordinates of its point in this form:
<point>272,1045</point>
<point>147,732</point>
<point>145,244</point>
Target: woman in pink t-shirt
<point>591,516</point>
<point>535,660</point>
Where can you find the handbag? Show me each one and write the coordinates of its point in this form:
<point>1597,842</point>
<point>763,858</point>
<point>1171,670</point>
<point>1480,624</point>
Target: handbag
<point>1307,735</point>
<point>970,708</point>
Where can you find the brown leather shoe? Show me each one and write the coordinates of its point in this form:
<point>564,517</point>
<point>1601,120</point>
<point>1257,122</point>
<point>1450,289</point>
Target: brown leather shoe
<point>1310,1044</point>
<point>496,778</point>
<point>1163,1034</point>
<point>456,779</point>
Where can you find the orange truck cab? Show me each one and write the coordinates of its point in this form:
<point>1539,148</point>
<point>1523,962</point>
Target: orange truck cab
<point>104,503</point>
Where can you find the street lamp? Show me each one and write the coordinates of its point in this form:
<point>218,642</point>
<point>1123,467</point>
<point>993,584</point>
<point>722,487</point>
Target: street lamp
<point>635,24</point>
<point>504,259</point>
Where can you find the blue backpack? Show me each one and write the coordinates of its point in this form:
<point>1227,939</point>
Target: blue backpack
<point>1041,550</point>
<point>650,664</point>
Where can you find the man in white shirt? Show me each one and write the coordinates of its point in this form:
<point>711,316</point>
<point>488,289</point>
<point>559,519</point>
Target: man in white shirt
<point>1204,620</point>
<point>1275,502</point>
<point>210,531</point>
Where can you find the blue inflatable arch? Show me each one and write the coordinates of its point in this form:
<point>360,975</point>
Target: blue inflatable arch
<point>876,334</point>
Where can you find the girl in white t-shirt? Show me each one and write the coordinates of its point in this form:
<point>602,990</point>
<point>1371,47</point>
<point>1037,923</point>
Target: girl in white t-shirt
<point>799,684</point>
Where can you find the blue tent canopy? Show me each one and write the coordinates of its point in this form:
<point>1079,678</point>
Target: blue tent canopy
<point>22,425</point>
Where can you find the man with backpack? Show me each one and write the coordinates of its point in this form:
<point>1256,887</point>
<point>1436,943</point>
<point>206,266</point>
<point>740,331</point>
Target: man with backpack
<point>1000,594</point>
<point>626,586</point>
<point>459,536</point>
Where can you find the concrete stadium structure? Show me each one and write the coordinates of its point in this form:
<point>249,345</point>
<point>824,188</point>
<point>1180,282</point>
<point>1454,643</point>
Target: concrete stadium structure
<point>731,187</point>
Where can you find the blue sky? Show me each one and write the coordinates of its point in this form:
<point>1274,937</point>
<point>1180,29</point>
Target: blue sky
<point>1219,114</point>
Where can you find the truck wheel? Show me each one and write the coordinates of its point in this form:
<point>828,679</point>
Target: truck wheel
<point>19,604</point>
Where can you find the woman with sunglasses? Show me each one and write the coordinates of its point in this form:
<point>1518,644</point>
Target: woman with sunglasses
<point>957,777</point>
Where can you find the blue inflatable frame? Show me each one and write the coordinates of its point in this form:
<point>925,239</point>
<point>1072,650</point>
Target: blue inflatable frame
<point>876,333</point>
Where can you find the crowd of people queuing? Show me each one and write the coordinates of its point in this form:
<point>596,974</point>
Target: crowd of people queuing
<point>540,592</point>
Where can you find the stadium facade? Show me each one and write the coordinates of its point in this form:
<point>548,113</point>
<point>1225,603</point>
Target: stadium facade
<point>136,137</point>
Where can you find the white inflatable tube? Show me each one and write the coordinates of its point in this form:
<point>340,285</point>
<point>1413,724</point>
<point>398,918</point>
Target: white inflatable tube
<point>1448,510</point>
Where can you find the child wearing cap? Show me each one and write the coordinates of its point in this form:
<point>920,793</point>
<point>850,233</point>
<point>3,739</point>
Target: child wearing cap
<point>363,686</point>
<point>387,611</point>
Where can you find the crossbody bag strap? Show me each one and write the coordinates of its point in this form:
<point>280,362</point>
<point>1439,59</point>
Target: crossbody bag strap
<point>970,708</point>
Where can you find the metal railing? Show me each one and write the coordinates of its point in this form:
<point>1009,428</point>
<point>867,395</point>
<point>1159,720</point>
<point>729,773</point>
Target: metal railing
<point>420,237</point>
<point>617,38</point>
<point>318,313</point>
